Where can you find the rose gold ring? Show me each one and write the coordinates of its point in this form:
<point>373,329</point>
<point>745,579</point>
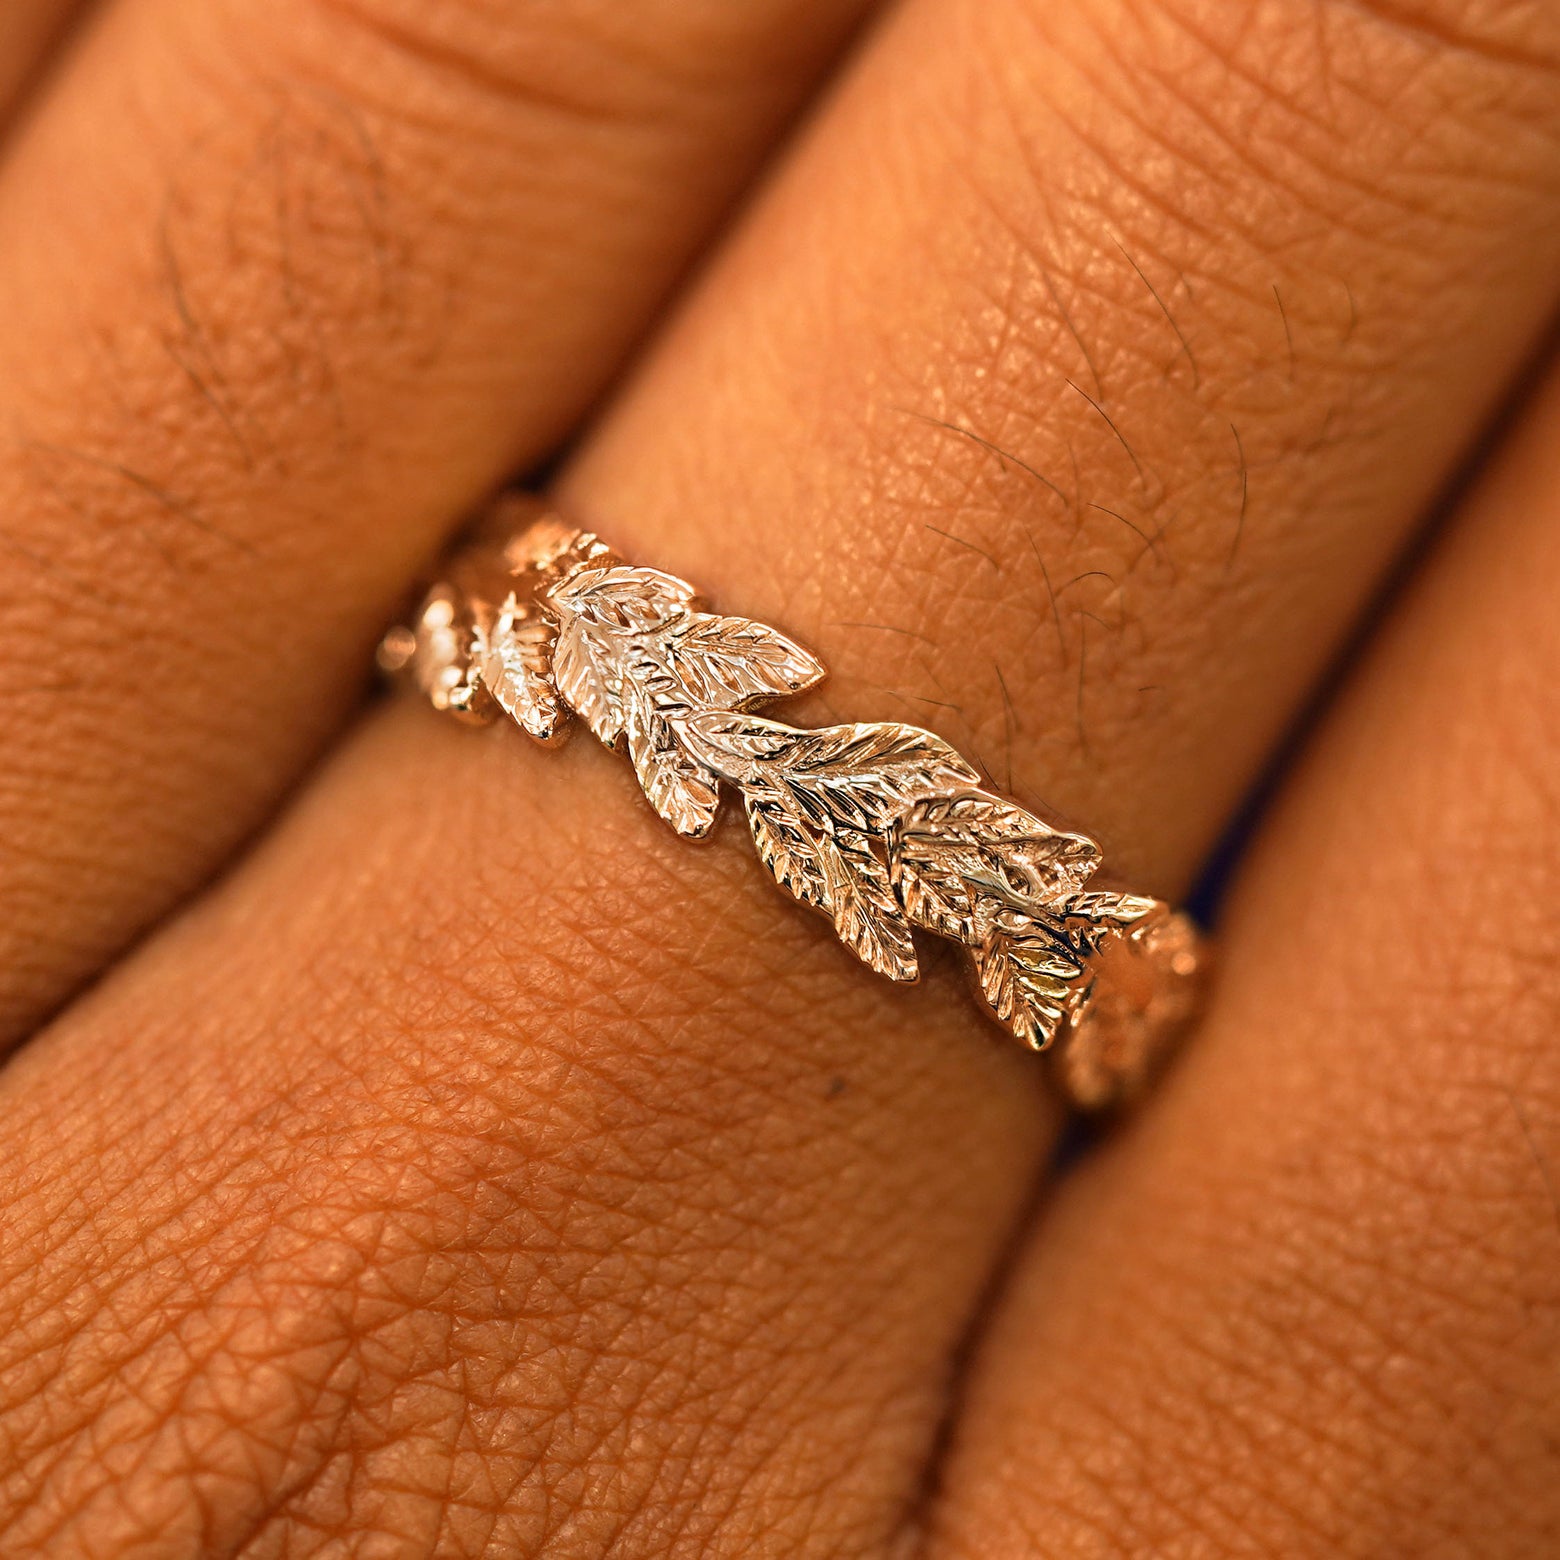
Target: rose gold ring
<point>881,827</point>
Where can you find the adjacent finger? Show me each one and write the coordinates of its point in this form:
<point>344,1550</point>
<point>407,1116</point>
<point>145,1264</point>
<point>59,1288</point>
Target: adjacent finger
<point>29,29</point>
<point>1312,1305</point>
<point>290,284</point>
<point>664,1219</point>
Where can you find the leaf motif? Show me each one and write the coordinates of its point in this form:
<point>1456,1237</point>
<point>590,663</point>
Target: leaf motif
<point>587,671</point>
<point>867,915</point>
<point>622,599</point>
<point>1092,918</point>
<point>685,794</point>
<point>1027,975</point>
<point>550,547</point>
<point>610,621</point>
<point>853,777</point>
<point>439,658</point>
<point>730,663</point>
<point>819,802</point>
<point>838,873</point>
<point>631,656</point>
<point>787,847</point>
<point>515,662</point>
<point>959,858</point>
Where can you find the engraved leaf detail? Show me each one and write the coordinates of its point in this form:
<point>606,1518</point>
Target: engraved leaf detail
<point>958,859</point>
<point>788,846</point>
<point>858,776</point>
<point>837,872</point>
<point>881,827</point>
<point>819,803</point>
<point>632,655</point>
<point>682,790</point>
<point>1093,917</point>
<point>624,599</point>
<point>1026,975</point>
<point>1029,965</point>
<point>515,662</point>
<point>728,663</point>
<point>603,615</point>
<point>878,826</point>
<point>587,672</point>
<point>866,914</point>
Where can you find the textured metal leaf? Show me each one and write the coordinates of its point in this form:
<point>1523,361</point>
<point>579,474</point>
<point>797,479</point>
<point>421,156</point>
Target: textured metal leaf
<point>819,803</point>
<point>588,672</point>
<point>549,547</point>
<point>1092,917</point>
<point>437,652</point>
<point>604,616</point>
<point>630,654</point>
<point>1027,974</point>
<point>680,788</point>
<point>959,858</point>
<point>788,847</point>
<point>867,915</point>
<point>514,659</point>
<point>730,663</point>
<point>623,599</point>
<point>837,872</point>
<point>1144,979</point>
<point>854,777</point>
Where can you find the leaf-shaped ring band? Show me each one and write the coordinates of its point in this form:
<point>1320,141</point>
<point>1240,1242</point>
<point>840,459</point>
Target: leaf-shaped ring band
<point>881,827</point>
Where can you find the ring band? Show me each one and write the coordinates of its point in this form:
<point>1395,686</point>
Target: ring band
<point>882,827</point>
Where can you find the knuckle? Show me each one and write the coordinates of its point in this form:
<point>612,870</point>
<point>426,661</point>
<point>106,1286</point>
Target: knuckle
<point>1343,85</point>
<point>1512,32</point>
<point>273,265</point>
<point>328,1333</point>
<point>459,1227</point>
<point>480,56</point>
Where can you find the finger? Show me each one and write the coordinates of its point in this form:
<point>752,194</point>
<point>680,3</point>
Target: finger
<point>1309,1308</point>
<point>359,261</point>
<point>28,30</point>
<point>709,1208</point>
<point>1129,396</point>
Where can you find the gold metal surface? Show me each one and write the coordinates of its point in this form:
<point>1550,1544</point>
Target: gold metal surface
<point>881,827</point>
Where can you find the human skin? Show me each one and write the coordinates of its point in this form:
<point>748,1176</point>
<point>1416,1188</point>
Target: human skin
<point>465,1166</point>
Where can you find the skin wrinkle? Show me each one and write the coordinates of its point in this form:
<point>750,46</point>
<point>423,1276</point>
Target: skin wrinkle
<point>474,69</point>
<point>635,1173</point>
<point>1444,24</point>
<point>1227,1467</point>
<point>248,1373</point>
<point>1332,164</point>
